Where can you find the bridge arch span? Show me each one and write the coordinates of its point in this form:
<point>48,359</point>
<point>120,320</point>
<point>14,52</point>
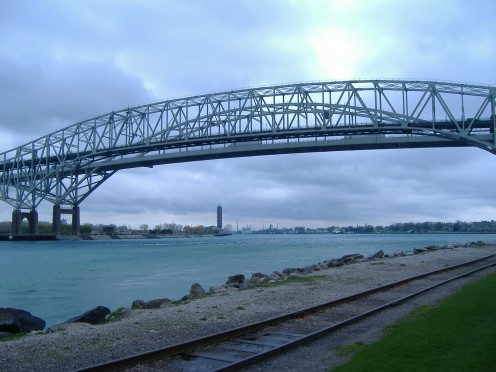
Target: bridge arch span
<point>66,166</point>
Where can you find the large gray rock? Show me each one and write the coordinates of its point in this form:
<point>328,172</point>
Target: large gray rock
<point>322,265</point>
<point>432,247</point>
<point>94,316</point>
<point>351,258</point>
<point>332,263</point>
<point>258,275</point>
<point>378,254</point>
<point>9,323</point>
<point>276,275</point>
<point>288,271</point>
<point>152,304</point>
<point>196,291</point>
<point>256,279</point>
<point>419,250</point>
<point>308,269</point>
<point>157,303</point>
<point>346,256</point>
<point>235,280</point>
<point>219,289</point>
<point>17,320</point>
<point>138,304</point>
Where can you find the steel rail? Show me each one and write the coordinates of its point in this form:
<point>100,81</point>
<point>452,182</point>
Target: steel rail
<point>180,348</point>
<point>324,331</point>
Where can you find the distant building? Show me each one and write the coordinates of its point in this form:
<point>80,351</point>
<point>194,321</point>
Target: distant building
<point>219,216</point>
<point>246,230</point>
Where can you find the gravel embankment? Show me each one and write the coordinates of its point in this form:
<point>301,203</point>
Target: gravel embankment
<point>80,345</point>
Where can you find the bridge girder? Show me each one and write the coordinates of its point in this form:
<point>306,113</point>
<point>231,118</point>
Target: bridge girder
<point>66,166</point>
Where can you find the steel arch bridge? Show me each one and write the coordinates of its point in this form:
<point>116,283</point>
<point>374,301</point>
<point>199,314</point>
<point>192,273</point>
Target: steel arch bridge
<point>66,166</point>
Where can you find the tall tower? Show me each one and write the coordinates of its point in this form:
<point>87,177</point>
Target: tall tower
<point>219,216</point>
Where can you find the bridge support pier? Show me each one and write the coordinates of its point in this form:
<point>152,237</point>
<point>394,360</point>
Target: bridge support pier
<point>76,221</point>
<point>56,219</point>
<point>17,218</point>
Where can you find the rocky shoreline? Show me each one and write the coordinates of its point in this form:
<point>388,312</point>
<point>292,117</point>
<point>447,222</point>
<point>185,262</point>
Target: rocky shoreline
<point>239,301</point>
<point>15,321</point>
<point>239,282</point>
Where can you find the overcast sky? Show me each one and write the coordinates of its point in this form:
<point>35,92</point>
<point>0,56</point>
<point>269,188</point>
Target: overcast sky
<point>66,61</point>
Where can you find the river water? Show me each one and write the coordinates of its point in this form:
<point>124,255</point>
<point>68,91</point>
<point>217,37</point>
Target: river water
<point>57,280</point>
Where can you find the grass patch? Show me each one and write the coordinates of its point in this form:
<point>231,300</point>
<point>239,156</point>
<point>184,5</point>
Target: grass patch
<point>347,349</point>
<point>116,314</point>
<point>15,336</point>
<point>457,335</point>
<point>305,279</point>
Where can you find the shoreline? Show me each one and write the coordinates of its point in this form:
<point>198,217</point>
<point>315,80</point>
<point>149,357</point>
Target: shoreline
<point>72,346</point>
<point>238,282</point>
<point>193,236</point>
<point>100,237</point>
<point>151,269</point>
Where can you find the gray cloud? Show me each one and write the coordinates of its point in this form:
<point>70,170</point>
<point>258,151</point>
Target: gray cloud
<point>49,95</point>
<point>62,62</point>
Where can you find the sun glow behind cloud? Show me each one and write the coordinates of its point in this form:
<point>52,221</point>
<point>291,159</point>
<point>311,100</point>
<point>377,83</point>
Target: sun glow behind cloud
<point>337,53</point>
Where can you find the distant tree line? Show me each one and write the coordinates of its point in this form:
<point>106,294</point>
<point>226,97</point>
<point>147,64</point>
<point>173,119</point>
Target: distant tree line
<point>177,229</point>
<point>405,227</point>
<point>112,229</point>
<point>424,227</point>
<point>44,228</point>
<point>161,229</point>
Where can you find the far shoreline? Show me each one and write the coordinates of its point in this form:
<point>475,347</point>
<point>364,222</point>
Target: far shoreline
<point>178,236</point>
<point>89,237</point>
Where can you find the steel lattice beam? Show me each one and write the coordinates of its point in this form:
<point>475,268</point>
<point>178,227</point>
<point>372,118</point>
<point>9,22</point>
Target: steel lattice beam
<point>65,166</point>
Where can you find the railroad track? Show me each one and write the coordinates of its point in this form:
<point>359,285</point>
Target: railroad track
<point>239,347</point>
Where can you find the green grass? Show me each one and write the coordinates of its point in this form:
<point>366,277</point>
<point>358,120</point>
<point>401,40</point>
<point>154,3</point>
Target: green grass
<point>116,314</point>
<point>457,335</point>
<point>347,349</point>
<point>14,337</point>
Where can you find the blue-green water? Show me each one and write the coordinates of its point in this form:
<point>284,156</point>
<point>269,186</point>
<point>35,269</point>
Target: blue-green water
<point>60,279</point>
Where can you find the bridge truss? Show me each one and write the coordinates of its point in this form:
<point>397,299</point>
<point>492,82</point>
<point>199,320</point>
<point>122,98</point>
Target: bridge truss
<point>66,166</point>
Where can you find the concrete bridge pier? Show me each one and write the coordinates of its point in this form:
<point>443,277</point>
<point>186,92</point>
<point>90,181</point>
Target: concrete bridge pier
<point>17,218</point>
<point>76,220</point>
